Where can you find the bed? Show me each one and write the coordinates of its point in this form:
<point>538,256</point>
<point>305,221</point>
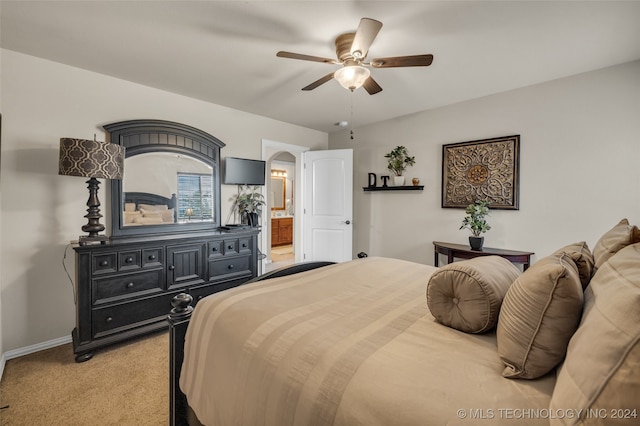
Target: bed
<point>363,343</point>
<point>144,208</point>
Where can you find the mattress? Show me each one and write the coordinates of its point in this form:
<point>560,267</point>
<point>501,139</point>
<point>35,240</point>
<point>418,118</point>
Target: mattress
<point>347,344</point>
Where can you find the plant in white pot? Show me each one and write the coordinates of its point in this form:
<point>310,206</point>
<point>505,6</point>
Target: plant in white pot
<point>397,162</point>
<point>476,222</point>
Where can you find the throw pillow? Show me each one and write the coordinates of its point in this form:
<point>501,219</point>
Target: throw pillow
<point>467,295</point>
<point>153,207</point>
<point>582,257</point>
<point>600,372</point>
<point>539,315</point>
<point>614,240</point>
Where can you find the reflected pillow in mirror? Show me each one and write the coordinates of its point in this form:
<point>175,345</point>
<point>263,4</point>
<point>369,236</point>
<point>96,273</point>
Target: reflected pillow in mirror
<point>167,216</point>
<point>130,217</point>
<point>153,207</point>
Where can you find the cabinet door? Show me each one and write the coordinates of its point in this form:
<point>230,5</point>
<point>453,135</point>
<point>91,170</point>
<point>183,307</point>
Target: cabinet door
<point>275,232</point>
<point>286,231</point>
<point>186,264</point>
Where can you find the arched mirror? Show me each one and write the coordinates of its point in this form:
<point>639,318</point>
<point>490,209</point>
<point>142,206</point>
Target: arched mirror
<point>171,179</point>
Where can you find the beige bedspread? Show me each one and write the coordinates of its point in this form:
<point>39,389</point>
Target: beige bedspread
<point>349,344</point>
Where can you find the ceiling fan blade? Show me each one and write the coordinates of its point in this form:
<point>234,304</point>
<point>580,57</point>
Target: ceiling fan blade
<point>371,86</point>
<point>403,61</point>
<point>291,55</point>
<point>365,34</point>
<point>319,82</point>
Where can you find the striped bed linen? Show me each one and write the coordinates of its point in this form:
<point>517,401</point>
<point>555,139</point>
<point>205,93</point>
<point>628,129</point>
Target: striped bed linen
<point>347,344</point>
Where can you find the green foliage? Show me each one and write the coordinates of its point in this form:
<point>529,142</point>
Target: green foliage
<point>475,220</point>
<point>398,160</point>
<point>248,200</point>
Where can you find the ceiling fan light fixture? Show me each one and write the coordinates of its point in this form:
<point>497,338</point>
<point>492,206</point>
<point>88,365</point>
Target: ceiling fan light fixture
<point>352,77</point>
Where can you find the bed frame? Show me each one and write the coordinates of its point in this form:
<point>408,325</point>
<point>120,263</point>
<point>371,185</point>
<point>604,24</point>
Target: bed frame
<point>180,413</point>
<point>153,199</point>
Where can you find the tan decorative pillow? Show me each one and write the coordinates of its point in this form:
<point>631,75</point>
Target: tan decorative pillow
<point>153,207</point>
<point>600,372</point>
<point>167,216</point>
<point>581,255</point>
<point>129,207</point>
<point>539,315</point>
<point>129,217</point>
<point>614,240</point>
<point>154,220</point>
<point>467,295</point>
<point>151,213</point>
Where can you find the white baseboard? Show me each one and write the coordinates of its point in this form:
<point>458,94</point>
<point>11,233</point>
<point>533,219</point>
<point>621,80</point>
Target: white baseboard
<point>32,349</point>
<point>3,361</point>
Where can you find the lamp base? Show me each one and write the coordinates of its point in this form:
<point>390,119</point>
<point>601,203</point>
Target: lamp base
<point>86,240</point>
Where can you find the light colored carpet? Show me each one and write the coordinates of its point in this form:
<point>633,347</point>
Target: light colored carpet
<point>126,384</point>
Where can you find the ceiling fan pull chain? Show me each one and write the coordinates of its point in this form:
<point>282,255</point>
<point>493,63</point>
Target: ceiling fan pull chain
<point>351,95</point>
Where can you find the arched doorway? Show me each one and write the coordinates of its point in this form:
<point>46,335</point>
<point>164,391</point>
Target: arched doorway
<point>288,158</point>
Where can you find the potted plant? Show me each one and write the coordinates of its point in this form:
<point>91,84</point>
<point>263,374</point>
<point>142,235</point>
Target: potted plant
<point>247,203</point>
<point>475,222</point>
<point>397,162</point>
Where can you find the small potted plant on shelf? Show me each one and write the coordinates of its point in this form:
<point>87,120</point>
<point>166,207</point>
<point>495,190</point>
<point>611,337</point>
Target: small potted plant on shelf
<point>397,162</point>
<point>475,222</point>
<point>247,203</point>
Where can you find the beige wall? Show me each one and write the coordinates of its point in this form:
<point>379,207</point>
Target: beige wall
<point>43,101</point>
<point>580,145</point>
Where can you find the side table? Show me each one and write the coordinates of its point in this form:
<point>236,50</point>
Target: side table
<point>464,252</point>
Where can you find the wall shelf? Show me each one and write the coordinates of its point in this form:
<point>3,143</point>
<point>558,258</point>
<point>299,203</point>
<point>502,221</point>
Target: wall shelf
<point>393,188</point>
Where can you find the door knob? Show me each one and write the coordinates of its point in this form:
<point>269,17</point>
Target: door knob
<point>348,222</point>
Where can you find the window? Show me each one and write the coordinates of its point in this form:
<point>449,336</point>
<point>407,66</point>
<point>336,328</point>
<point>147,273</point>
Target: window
<point>195,197</point>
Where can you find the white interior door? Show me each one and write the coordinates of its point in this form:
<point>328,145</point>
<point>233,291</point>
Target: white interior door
<point>328,205</point>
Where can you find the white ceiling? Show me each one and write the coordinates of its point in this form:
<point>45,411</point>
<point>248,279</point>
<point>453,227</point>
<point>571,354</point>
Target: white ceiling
<point>225,51</point>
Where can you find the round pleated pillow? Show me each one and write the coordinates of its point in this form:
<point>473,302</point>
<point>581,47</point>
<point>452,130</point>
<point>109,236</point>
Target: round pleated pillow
<point>467,295</point>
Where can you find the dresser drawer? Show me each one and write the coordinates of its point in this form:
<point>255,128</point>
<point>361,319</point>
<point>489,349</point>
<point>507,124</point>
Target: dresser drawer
<point>104,263</point>
<point>231,247</point>
<point>152,257</point>
<point>200,292</point>
<point>128,260</point>
<point>229,267</point>
<point>215,248</point>
<point>107,290</point>
<point>118,318</point>
<point>244,245</point>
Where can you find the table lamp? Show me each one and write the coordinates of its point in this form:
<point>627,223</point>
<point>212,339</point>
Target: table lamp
<point>95,160</point>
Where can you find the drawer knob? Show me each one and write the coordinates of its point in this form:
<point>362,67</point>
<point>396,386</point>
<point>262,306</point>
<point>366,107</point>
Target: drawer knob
<point>152,257</point>
<point>171,268</point>
<point>244,245</point>
<point>103,263</point>
<point>229,247</point>
<point>129,259</point>
<point>230,266</point>
<point>109,319</point>
<point>130,285</point>
<point>214,249</point>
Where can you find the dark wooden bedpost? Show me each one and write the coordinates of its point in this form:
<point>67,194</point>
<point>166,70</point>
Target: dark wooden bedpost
<point>178,321</point>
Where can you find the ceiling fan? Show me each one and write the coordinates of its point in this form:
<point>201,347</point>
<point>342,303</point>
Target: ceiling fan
<point>351,50</point>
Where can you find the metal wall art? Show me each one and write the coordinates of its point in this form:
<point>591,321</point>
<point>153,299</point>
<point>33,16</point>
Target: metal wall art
<point>486,169</point>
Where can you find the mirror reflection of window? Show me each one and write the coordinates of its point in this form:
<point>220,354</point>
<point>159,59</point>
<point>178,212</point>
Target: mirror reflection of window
<point>195,194</point>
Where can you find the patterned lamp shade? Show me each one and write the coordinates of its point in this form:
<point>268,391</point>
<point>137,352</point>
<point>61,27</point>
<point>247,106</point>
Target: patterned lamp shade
<point>92,159</point>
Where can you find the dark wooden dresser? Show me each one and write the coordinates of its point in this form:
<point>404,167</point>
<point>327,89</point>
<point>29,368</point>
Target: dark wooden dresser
<point>124,289</point>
